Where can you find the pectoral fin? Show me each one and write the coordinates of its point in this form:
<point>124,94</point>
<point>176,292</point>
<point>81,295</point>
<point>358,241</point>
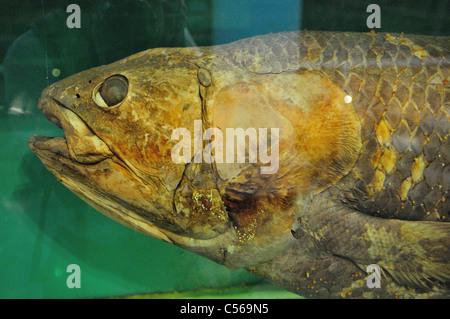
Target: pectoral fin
<point>413,253</point>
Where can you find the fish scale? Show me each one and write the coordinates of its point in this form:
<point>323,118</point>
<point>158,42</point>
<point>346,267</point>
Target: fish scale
<point>401,98</point>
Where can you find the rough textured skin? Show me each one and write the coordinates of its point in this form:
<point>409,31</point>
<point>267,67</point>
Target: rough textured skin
<point>399,86</point>
<point>359,183</point>
<point>400,91</point>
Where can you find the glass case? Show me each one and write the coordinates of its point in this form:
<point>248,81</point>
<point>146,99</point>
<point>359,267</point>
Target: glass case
<point>45,228</point>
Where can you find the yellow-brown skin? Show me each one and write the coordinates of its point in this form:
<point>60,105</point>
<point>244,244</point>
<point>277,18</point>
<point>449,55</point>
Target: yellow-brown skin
<point>284,226</point>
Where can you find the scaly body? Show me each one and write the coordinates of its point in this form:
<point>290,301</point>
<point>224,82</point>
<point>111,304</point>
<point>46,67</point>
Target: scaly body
<point>363,172</point>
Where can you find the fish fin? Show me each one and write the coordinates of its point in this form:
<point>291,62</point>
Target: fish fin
<point>423,257</point>
<point>415,254</point>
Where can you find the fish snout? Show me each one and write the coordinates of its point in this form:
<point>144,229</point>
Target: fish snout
<point>45,105</point>
<point>83,145</point>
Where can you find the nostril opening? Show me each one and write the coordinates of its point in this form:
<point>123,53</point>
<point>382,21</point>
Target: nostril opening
<point>77,95</point>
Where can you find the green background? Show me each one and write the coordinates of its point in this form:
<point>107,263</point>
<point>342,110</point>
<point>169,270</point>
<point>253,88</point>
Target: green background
<point>43,226</point>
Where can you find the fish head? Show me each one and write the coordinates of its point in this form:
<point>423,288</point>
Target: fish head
<point>117,153</point>
<point>118,121</point>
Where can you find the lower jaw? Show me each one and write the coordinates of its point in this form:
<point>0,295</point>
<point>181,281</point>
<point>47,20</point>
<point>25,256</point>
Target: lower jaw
<point>58,145</point>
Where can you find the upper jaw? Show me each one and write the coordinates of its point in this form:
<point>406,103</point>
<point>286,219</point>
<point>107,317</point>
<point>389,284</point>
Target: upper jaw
<point>80,144</point>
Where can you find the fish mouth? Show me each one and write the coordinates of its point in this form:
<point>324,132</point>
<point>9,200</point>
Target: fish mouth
<point>79,144</point>
<point>42,144</point>
<point>83,162</point>
<point>54,154</point>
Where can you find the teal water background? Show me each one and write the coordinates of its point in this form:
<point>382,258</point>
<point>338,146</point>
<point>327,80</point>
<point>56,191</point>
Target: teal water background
<point>43,226</point>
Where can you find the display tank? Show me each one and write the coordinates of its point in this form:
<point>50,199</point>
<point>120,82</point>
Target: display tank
<point>55,245</point>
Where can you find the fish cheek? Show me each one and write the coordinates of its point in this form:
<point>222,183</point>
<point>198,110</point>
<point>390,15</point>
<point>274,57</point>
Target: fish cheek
<point>139,133</point>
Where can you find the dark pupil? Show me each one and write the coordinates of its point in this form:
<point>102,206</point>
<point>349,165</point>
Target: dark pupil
<point>114,90</point>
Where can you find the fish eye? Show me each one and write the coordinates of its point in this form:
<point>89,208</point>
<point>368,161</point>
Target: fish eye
<point>112,91</point>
